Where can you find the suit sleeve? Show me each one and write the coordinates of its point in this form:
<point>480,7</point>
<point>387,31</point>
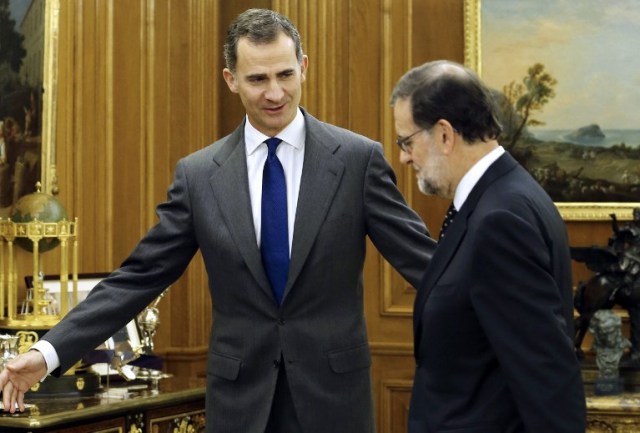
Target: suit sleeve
<point>155,263</point>
<point>520,309</point>
<point>395,229</point>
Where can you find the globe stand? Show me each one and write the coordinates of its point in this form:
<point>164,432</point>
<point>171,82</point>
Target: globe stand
<point>38,223</point>
<point>41,315</point>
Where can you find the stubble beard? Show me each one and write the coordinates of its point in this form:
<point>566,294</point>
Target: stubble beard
<point>426,187</point>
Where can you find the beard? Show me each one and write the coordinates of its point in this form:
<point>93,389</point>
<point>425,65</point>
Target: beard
<point>427,187</point>
<point>433,178</point>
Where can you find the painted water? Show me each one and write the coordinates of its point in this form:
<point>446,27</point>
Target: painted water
<point>630,137</point>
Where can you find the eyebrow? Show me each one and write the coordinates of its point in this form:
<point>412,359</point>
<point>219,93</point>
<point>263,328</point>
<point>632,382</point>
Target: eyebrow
<point>286,72</point>
<point>261,76</point>
<point>255,76</point>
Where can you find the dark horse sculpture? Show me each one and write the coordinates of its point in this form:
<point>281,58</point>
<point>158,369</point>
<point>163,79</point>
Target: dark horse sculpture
<point>616,281</point>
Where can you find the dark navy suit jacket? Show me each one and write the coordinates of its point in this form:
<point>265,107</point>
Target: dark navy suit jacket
<point>494,317</point>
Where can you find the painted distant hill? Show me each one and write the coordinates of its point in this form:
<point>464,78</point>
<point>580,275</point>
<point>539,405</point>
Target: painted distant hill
<point>587,134</point>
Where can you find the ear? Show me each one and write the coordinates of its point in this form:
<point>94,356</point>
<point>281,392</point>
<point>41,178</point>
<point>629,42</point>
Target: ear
<point>304,64</point>
<point>230,80</point>
<point>447,134</point>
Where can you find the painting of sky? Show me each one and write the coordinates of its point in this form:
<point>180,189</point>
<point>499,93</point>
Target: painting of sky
<point>589,46</point>
<point>18,9</point>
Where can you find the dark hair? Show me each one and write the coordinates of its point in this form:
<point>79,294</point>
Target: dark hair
<point>447,90</point>
<point>261,26</point>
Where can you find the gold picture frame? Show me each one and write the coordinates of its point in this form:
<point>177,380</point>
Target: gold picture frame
<point>570,211</point>
<point>28,75</point>
<point>48,179</point>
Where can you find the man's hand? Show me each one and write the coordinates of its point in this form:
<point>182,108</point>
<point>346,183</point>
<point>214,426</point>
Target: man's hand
<point>18,376</point>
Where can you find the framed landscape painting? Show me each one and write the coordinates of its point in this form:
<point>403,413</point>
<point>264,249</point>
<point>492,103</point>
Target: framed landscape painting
<point>566,77</point>
<point>28,53</point>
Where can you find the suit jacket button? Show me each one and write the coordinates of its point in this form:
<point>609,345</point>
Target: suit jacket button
<point>280,321</point>
<point>276,363</point>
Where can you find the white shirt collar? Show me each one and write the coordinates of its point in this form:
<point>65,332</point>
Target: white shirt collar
<point>293,134</point>
<point>474,174</point>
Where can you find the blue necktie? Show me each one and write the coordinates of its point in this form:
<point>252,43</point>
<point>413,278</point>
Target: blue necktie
<point>274,237</point>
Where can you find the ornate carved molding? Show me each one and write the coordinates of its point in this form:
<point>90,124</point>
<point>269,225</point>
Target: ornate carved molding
<point>135,423</point>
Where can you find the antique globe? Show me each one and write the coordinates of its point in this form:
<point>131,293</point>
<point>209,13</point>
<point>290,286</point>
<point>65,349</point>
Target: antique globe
<point>43,207</point>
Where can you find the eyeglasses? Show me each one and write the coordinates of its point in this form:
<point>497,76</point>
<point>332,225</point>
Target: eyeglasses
<point>404,143</point>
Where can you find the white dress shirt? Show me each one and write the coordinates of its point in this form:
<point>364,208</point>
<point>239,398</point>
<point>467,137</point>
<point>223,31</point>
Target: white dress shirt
<point>291,155</point>
<point>474,174</point>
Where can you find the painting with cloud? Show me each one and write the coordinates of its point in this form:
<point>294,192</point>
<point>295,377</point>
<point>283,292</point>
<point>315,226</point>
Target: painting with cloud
<point>566,75</point>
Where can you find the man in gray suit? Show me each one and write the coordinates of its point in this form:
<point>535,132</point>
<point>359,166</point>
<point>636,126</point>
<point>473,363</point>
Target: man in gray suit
<point>298,361</point>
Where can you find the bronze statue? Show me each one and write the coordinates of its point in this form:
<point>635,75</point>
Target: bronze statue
<point>616,281</point>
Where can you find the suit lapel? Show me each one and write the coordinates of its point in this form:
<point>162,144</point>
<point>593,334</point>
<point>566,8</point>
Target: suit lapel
<point>231,172</point>
<point>455,234</point>
<point>321,175</point>
<point>441,257</point>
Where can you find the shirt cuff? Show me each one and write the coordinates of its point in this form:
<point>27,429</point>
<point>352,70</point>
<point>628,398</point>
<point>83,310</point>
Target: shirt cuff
<point>49,353</point>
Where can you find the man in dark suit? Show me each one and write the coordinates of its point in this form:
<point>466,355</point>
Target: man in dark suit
<point>296,360</point>
<point>493,316</point>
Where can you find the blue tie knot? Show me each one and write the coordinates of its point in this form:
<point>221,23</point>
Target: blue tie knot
<point>272,145</point>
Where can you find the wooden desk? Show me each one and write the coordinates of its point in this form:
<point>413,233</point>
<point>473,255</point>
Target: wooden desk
<point>177,406</point>
<point>616,413</point>
<point>613,414</point>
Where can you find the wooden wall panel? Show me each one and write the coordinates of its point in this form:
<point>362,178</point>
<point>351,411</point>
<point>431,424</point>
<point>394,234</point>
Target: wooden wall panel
<point>140,86</point>
<point>324,27</point>
<point>396,296</point>
<point>137,94</point>
<point>125,84</point>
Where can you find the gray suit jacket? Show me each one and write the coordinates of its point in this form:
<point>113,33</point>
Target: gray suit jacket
<point>347,192</point>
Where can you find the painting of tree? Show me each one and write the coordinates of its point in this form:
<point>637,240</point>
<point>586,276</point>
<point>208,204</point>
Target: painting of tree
<point>524,100</point>
<point>565,79</point>
<point>561,166</point>
<point>11,49</point>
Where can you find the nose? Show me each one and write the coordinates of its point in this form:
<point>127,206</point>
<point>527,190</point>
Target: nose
<point>274,91</point>
<point>405,157</point>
